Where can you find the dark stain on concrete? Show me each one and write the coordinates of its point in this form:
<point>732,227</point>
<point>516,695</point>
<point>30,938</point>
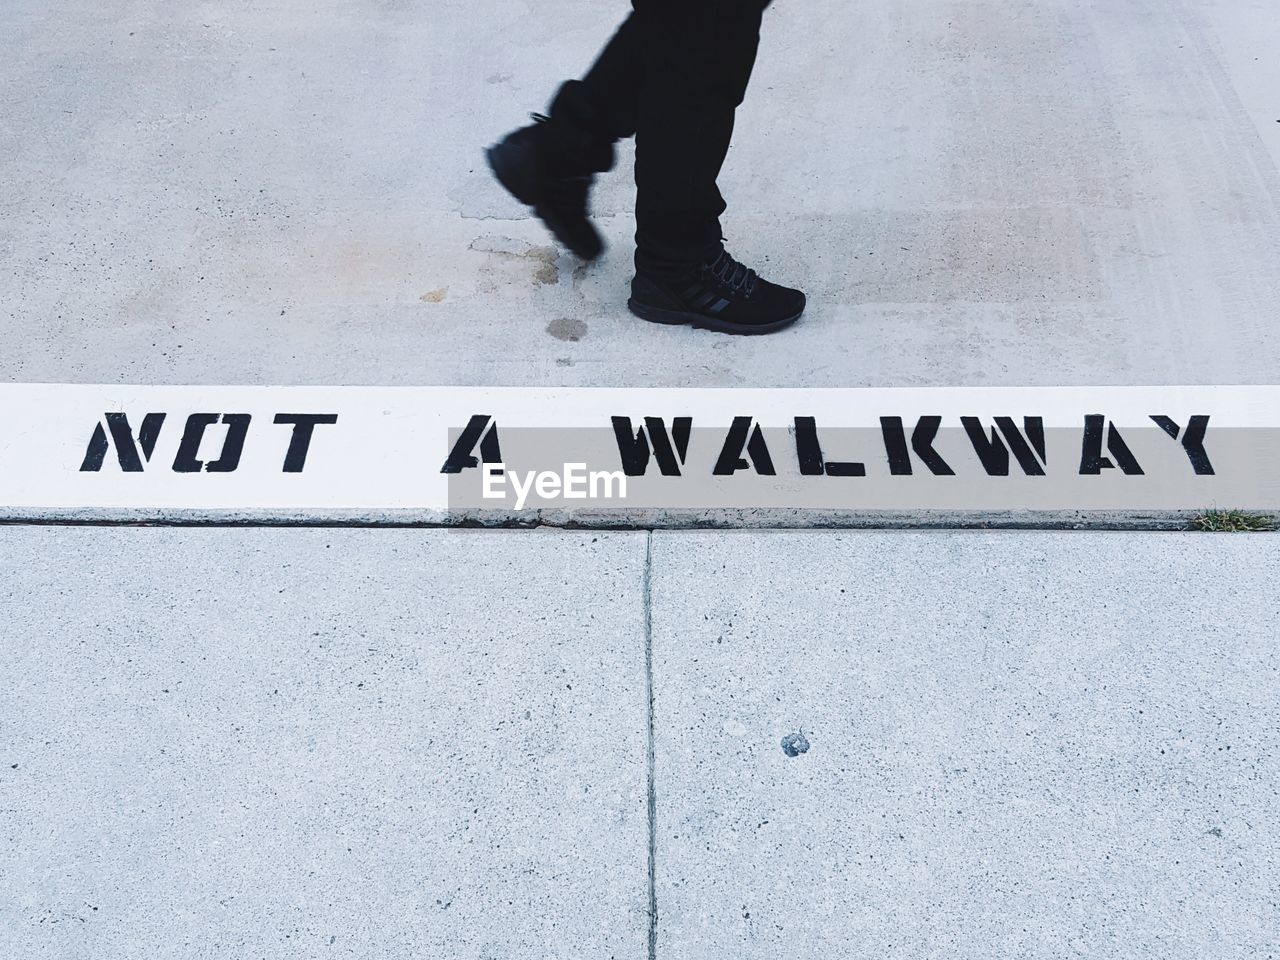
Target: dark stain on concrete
<point>567,329</point>
<point>544,256</point>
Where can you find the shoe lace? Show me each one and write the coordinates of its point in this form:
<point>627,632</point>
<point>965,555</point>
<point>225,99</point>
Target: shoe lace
<point>738,277</point>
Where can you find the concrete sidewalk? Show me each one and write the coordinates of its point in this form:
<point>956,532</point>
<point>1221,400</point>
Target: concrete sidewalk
<point>1031,192</point>
<point>413,743</point>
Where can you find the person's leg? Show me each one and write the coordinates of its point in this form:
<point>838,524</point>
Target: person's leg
<point>552,164</point>
<point>698,56</point>
<point>603,104</point>
<point>674,74</point>
<point>676,69</point>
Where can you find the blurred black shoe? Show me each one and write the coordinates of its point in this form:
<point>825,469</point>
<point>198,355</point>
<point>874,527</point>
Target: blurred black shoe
<point>525,164</point>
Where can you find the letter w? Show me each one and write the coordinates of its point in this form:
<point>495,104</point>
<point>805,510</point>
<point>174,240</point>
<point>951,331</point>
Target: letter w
<point>125,444</point>
<point>669,449</point>
<point>993,453</point>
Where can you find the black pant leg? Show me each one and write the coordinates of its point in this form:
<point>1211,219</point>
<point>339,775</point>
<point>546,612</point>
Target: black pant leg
<point>672,75</point>
<point>612,84</point>
<point>592,113</point>
<point>698,56</point>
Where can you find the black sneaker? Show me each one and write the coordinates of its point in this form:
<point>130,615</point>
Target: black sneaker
<point>521,162</point>
<point>722,295</point>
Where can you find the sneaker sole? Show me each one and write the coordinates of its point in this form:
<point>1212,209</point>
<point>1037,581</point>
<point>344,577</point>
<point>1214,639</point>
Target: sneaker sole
<point>688,317</point>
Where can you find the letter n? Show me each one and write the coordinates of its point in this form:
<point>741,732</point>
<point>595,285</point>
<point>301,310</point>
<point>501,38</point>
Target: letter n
<point>127,449</point>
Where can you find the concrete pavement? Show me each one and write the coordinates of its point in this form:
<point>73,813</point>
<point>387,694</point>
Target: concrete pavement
<point>408,743</point>
<point>317,743</point>
<point>1051,745</point>
<point>1035,192</point>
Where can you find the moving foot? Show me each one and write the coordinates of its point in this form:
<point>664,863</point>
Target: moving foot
<point>525,163</point>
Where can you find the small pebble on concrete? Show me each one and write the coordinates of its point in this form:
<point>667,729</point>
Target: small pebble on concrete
<point>794,744</point>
